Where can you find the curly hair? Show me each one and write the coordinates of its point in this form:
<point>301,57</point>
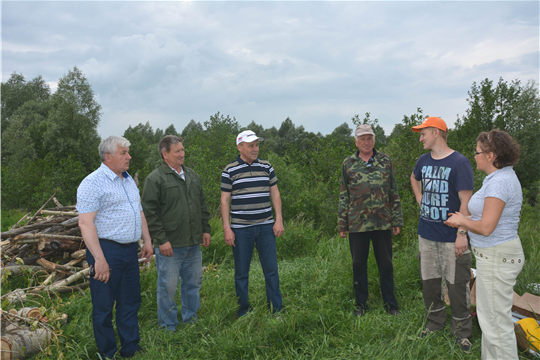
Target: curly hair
<point>506,150</point>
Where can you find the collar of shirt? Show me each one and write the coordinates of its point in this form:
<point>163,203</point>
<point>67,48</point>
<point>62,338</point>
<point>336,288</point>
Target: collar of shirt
<point>181,173</point>
<point>370,161</point>
<point>111,174</point>
<point>240,161</point>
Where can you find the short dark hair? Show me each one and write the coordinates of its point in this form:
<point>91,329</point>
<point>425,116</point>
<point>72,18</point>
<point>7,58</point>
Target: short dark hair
<point>506,150</point>
<point>168,141</point>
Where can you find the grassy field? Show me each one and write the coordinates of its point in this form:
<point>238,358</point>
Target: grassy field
<point>317,321</point>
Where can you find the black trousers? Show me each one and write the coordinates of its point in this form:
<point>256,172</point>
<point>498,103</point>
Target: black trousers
<point>382,248</point>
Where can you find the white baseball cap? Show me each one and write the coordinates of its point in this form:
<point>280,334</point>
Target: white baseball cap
<point>247,136</point>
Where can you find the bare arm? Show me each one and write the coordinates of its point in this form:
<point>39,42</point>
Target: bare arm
<point>276,203</point>
<point>493,208</point>
<point>417,189</point>
<point>147,250</point>
<point>462,244</point>
<point>90,237</point>
<point>228,234</point>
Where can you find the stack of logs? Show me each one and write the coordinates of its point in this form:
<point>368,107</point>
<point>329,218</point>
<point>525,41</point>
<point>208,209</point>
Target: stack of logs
<point>49,243</point>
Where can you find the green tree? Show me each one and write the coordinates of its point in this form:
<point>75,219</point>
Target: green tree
<point>16,92</point>
<point>50,141</point>
<point>190,128</point>
<point>71,127</point>
<point>404,150</point>
<point>509,106</point>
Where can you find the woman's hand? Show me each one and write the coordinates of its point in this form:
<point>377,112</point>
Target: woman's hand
<point>455,219</point>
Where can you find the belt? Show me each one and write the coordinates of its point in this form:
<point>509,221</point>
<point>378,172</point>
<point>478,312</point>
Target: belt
<point>116,242</point>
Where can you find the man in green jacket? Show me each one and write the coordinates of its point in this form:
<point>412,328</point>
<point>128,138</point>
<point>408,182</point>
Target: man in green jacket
<point>370,210</point>
<point>175,208</point>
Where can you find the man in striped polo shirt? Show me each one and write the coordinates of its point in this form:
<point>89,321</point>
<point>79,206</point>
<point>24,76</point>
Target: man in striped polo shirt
<point>247,186</point>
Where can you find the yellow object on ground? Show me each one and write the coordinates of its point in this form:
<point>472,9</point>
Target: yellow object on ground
<point>532,329</point>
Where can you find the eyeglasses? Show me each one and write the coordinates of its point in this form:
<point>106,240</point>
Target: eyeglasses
<point>477,152</point>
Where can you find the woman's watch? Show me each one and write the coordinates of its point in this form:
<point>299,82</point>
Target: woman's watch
<point>462,232</point>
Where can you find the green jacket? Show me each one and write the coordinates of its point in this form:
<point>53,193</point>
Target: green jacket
<point>368,198</point>
<point>175,209</point>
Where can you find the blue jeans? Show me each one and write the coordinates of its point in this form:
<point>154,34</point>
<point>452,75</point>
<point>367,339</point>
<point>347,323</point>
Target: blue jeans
<point>186,263</point>
<point>261,236</point>
<point>124,288</point>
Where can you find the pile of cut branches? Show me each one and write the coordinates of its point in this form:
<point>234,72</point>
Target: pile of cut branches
<point>49,246</point>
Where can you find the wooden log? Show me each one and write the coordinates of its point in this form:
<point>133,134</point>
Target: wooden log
<point>69,289</point>
<point>19,222</point>
<point>41,208</point>
<point>27,241</point>
<point>15,295</point>
<point>57,202</point>
<point>77,276</point>
<point>63,208</point>
<point>31,260</point>
<point>74,231</point>
<point>46,236</point>
<point>76,262</point>
<point>73,221</point>
<point>19,269</point>
<point>78,254</point>
<point>36,226</point>
<point>49,279</point>
<point>22,230</point>
<point>66,245</point>
<point>61,213</point>
<point>55,267</point>
<point>19,344</point>
<point>30,312</point>
<point>21,254</point>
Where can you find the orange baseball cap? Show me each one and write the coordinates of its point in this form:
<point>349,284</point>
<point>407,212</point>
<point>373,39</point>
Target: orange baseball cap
<point>432,121</point>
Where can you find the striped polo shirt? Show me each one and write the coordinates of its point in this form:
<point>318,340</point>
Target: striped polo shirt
<point>249,186</point>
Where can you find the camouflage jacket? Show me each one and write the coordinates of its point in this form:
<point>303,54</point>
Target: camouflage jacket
<point>368,198</point>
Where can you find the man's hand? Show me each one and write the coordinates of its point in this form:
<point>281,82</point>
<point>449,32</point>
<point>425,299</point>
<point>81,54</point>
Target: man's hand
<point>206,239</point>
<point>102,270</point>
<point>278,228</point>
<point>343,234</point>
<point>396,230</point>
<point>228,235</point>
<point>462,245</point>
<point>166,249</point>
<point>147,251</point>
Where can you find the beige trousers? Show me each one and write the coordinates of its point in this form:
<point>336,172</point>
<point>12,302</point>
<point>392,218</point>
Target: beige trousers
<point>497,269</point>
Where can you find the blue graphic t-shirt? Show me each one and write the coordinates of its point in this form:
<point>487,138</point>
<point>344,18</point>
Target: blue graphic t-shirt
<point>441,181</point>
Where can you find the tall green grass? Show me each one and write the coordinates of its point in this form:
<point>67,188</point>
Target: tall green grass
<point>317,321</point>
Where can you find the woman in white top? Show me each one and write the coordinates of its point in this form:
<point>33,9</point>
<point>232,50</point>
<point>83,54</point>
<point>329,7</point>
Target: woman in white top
<point>492,228</point>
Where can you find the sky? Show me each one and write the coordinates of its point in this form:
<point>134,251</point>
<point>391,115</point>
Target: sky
<point>317,62</point>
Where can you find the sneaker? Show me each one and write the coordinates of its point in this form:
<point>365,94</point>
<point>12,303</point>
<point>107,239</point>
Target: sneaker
<point>359,312</point>
<point>425,333</point>
<point>464,344</point>
<point>393,312</point>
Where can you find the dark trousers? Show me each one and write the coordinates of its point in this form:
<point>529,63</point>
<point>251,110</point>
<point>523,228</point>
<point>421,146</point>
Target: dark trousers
<point>382,248</point>
<point>124,288</point>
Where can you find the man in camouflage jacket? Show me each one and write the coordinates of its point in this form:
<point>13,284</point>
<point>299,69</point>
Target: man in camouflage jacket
<point>370,210</point>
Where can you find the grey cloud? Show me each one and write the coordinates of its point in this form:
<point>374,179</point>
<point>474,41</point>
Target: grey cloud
<point>317,62</point>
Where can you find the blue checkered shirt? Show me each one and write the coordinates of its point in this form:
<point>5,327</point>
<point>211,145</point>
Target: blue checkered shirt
<point>117,202</point>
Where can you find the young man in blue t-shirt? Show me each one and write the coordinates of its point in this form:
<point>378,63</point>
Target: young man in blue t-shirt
<point>442,182</point>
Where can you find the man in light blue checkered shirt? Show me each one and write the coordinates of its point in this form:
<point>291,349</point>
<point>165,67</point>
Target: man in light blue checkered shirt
<point>112,222</point>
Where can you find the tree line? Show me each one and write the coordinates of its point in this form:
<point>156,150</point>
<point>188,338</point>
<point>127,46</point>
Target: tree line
<point>49,141</point>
